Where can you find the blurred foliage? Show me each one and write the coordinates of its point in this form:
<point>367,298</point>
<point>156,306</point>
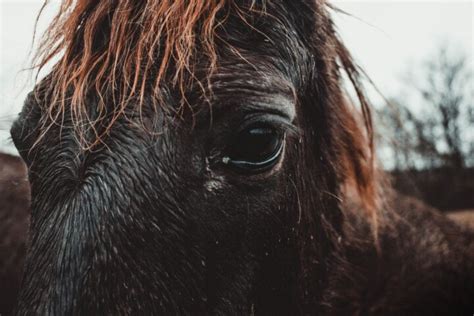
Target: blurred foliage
<point>431,139</point>
<point>438,130</point>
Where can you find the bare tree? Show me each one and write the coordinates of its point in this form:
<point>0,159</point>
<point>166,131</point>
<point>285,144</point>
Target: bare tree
<point>447,80</point>
<point>441,134</point>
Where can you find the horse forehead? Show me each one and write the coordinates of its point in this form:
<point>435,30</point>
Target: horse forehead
<point>259,74</point>
<point>254,84</point>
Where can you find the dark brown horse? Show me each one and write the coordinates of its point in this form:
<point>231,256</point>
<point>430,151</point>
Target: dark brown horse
<point>14,215</point>
<point>201,157</point>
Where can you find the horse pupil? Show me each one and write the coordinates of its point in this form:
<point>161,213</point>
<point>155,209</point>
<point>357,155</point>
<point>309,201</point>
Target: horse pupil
<point>256,145</point>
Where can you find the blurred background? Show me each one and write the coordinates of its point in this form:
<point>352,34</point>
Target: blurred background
<point>419,55</point>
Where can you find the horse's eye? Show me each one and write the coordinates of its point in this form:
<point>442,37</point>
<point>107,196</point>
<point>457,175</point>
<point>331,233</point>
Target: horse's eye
<point>256,149</point>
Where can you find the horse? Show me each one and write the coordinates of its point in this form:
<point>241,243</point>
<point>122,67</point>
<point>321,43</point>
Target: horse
<point>204,157</point>
<point>14,219</point>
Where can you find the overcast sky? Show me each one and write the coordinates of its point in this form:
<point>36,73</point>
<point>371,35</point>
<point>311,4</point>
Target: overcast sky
<point>387,37</point>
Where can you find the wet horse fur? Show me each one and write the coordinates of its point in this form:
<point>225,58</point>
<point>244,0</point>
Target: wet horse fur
<point>149,220</point>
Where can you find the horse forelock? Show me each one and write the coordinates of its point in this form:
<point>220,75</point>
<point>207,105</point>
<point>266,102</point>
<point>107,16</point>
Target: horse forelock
<point>116,48</point>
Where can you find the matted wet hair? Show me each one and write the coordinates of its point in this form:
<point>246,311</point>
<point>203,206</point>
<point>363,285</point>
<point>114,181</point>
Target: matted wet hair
<point>113,47</point>
<point>127,48</point>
